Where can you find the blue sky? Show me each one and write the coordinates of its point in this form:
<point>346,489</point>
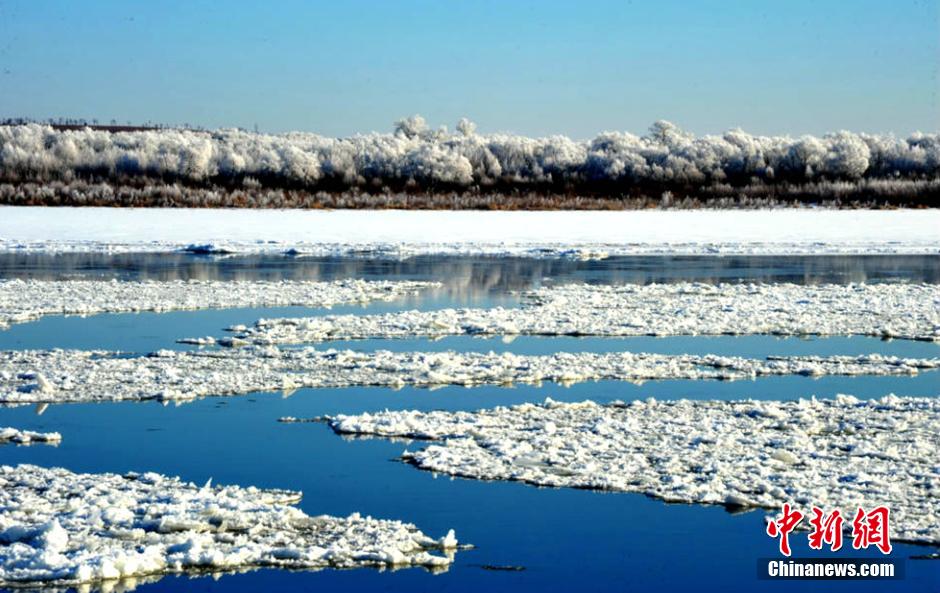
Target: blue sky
<point>536,68</point>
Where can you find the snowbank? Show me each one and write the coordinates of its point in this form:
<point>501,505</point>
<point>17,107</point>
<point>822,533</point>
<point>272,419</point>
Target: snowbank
<point>72,375</point>
<point>60,528</point>
<point>839,453</point>
<point>904,311</point>
<point>396,233</point>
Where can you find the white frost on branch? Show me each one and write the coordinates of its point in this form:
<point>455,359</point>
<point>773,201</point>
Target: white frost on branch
<point>416,153</point>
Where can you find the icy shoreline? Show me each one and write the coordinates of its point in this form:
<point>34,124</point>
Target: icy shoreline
<point>902,311</point>
<point>27,300</point>
<point>56,376</point>
<point>60,528</point>
<point>839,453</point>
<point>401,233</point>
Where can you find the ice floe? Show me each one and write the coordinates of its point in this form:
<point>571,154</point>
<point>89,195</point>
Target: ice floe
<point>28,376</point>
<point>840,453</point>
<point>28,437</point>
<point>27,300</point>
<point>60,528</point>
<point>903,311</point>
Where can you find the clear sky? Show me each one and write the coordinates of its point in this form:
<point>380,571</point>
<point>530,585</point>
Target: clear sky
<point>530,67</point>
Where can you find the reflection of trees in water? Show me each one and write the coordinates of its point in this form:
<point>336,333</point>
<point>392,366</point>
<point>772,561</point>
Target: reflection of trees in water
<point>469,278</point>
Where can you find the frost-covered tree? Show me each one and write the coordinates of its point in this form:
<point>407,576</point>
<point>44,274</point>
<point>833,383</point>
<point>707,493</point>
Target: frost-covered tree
<point>466,127</point>
<point>411,127</point>
<point>419,157</point>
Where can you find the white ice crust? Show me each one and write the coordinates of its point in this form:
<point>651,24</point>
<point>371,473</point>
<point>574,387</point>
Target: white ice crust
<point>840,453</point>
<point>903,311</point>
<point>61,528</point>
<point>27,437</point>
<point>27,300</point>
<point>49,376</point>
<point>401,233</point>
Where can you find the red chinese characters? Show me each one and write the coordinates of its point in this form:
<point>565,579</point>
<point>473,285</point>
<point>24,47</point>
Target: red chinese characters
<point>783,526</point>
<point>871,529</point>
<point>826,529</point>
<point>868,528</point>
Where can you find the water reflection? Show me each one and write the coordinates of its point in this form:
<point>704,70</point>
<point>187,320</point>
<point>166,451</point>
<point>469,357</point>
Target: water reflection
<point>465,275</point>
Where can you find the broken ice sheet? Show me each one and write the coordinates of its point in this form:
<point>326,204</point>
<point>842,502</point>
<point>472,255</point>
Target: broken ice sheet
<point>28,300</point>
<point>840,453</point>
<point>28,376</point>
<point>902,311</point>
<point>61,528</point>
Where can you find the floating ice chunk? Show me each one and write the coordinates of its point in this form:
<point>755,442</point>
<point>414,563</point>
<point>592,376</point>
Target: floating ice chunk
<point>63,529</point>
<point>209,249</point>
<point>27,300</point>
<point>912,311</point>
<point>26,437</point>
<point>449,541</point>
<point>39,383</point>
<point>785,456</point>
<point>205,341</point>
<point>75,375</point>
<point>52,537</point>
<point>742,453</point>
<point>43,384</point>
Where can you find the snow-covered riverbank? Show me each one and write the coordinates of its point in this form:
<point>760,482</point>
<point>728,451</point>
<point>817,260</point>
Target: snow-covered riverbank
<point>401,233</point>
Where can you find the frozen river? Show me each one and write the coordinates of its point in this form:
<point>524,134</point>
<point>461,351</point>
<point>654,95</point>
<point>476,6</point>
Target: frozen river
<point>525,538</point>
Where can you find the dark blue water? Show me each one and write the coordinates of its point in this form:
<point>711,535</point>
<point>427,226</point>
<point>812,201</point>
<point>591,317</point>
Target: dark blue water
<point>565,539</point>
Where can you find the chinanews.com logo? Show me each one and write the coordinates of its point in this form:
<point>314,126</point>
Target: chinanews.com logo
<point>869,529</point>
